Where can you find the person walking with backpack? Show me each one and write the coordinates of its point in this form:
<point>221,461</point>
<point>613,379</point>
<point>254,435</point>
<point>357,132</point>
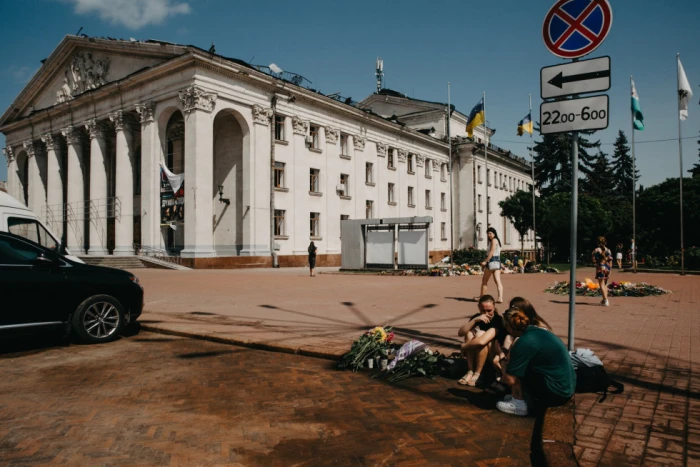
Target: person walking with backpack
<point>602,259</point>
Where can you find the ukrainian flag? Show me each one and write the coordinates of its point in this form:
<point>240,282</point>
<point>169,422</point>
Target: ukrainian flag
<point>525,125</point>
<point>476,117</point>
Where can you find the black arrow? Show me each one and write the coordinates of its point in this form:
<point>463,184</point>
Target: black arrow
<point>560,79</point>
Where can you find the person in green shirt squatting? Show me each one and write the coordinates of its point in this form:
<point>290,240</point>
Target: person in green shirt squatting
<point>538,365</point>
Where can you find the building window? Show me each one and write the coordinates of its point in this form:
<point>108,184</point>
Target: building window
<point>369,205</point>
<point>443,231</point>
<point>488,176</point>
<point>314,176</point>
<point>313,133</point>
<point>390,194</point>
<point>478,174</point>
<point>488,204</point>
<point>479,204</point>
<point>428,204</point>
<point>390,158</point>
<point>279,128</point>
<point>443,202</point>
<point>280,227</point>
<point>344,145</point>
<point>410,196</point>
<point>369,172</point>
<point>427,168</point>
<point>344,182</point>
<point>443,172</point>
<point>410,163</point>
<point>279,174</point>
<point>315,224</point>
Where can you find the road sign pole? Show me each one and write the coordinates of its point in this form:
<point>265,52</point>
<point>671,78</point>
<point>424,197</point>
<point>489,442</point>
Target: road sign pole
<point>574,231</point>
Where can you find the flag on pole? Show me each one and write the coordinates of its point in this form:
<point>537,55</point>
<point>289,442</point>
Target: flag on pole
<point>476,117</point>
<point>525,125</point>
<point>637,117</point>
<point>684,91</point>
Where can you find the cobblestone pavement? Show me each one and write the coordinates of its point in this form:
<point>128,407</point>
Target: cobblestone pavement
<point>650,344</point>
<point>152,399</point>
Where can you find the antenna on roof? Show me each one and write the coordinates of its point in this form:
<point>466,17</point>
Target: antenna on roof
<point>78,33</point>
<point>380,73</point>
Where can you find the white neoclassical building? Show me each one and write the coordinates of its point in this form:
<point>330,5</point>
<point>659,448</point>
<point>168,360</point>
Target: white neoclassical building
<point>127,146</point>
<point>481,177</point>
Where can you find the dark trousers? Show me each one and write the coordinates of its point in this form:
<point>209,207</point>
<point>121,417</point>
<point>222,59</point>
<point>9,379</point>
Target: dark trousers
<point>541,398</point>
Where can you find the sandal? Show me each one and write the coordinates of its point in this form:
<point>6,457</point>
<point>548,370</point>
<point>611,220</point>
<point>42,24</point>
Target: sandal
<point>473,380</point>
<point>464,380</point>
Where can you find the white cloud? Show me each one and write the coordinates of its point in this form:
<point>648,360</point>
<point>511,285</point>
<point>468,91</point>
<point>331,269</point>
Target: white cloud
<point>133,14</point>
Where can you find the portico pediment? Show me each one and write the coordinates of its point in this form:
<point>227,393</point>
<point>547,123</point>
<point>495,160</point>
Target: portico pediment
<point>79,65</point>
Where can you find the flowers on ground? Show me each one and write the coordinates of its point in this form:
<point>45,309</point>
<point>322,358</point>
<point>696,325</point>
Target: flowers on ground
<point>615,289</point>
<point>374,342</point>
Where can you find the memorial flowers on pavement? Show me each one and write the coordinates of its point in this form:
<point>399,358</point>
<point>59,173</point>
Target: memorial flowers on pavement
<point>589,288</point>
<point>402,361</point>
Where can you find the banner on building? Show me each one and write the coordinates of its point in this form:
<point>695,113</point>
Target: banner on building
<point>172,197</point>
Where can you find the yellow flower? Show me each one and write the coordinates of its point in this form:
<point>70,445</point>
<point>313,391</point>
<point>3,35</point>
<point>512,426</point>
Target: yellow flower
<point>379,333</point>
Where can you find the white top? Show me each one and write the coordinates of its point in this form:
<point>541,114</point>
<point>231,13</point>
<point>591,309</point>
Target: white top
<point>498,248</point>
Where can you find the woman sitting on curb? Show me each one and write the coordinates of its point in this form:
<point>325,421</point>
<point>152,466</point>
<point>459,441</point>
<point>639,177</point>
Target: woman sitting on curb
<point>538,365</point>
<point>483,336</point>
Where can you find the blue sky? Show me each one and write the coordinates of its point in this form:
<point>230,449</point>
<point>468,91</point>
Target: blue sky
<point>477,46</point>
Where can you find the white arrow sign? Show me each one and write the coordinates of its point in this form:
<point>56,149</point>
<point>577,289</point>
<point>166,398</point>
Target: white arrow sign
<point>588,113</point>
<point>575,78</point>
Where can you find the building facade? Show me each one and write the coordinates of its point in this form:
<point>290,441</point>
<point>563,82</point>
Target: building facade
<point>124,146</point>
<point>481,177</point>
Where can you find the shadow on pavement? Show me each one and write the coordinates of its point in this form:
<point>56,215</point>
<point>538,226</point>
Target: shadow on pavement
<point>463,299</point>
<point>187,356</point>
<point>482,400</point>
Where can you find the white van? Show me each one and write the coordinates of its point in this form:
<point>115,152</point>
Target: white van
<point>18,219</point>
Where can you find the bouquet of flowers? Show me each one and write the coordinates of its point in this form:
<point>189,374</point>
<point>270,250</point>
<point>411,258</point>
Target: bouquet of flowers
<point>589,288</point>
<point>413,358</point>
<point>374,342</point>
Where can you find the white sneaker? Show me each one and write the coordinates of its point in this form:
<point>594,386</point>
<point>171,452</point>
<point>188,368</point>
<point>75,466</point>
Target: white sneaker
<point>513,406</point>
<point>605,303</point>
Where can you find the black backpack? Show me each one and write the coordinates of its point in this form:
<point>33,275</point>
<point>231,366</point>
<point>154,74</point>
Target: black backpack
<point>595,379</point>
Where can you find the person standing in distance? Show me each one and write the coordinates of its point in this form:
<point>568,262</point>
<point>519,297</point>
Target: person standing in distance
<point>492,265</point>
<point>312,259</point>
<point>602,259</point>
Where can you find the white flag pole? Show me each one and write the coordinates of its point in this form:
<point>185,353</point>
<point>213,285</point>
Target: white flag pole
<point>634,189</point>
<point>680,159</point>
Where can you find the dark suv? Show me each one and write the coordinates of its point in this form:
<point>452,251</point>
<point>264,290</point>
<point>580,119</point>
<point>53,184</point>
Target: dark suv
<point>40,289</point>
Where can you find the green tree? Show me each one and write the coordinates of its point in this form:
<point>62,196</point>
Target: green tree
<point>553,162</point>
<point>658,221</point>
<point>554,223</point>
<point>623,166</point>
<point>518,208</point>
<point>695,170</point>
<point>600,180</point>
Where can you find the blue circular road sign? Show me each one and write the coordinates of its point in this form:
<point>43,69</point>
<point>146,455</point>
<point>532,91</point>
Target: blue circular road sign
<point>574,28</point>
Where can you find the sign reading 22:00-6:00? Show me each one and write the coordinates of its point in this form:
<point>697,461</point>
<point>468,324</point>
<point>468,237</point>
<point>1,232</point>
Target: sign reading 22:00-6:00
<point>588,113</point>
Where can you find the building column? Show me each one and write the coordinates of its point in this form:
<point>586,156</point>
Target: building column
<point>150,177</point>
<point>256,185</point>
<point>124,186</point>
<point>12,178</point>
<point>75,191</point>
<point>55,207</point>
<point>199,169</point>
<point>36,190</point>
<point>99,194</point>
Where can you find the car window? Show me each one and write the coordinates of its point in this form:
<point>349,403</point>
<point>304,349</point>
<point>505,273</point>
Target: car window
<point>13,251</point>
<point>31,230</point>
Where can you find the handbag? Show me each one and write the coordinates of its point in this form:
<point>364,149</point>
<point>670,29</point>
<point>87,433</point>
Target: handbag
<point>494,265</point>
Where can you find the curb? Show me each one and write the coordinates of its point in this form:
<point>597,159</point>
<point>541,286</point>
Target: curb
<point>558,435</point>
<point>557,431</point>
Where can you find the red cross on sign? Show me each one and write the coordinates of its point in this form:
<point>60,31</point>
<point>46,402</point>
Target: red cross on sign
<point>574,28</point>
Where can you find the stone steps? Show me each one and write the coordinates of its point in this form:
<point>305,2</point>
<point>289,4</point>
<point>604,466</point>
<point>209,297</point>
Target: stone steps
<point>119,262</point>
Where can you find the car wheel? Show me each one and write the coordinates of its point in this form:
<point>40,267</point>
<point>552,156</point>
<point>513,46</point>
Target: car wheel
<point>100,318</point>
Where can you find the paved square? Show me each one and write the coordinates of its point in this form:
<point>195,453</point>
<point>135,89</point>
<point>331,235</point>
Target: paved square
<point>646,343</point>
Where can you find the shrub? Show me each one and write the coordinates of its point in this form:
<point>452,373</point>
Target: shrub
<point>469,255</point>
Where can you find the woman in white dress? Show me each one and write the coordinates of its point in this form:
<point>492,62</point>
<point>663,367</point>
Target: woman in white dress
<point>492,265</point>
